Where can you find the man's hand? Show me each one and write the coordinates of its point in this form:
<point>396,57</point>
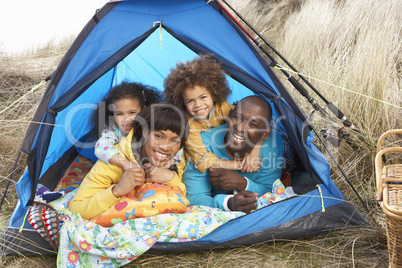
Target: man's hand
<point>132,177</point>
<point>227,180</point>
<point>243,201</point>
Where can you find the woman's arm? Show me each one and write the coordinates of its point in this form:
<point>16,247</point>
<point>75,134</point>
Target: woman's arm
<point>95,192</point>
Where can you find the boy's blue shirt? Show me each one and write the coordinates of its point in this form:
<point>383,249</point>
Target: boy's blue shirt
<point>200,190</point>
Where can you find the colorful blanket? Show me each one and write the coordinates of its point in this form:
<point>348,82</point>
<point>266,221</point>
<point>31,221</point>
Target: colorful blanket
<point>86,244</point>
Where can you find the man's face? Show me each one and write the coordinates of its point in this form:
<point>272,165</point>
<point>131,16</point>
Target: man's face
<point>247,125</point>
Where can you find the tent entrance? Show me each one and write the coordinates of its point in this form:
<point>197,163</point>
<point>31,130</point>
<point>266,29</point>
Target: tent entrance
<point>143,65</point>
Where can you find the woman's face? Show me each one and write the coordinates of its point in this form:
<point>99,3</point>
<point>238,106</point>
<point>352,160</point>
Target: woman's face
<point>160,146</point>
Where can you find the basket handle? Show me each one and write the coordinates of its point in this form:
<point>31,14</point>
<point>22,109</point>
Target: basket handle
<point>378,169</point>
<point>386,134</point>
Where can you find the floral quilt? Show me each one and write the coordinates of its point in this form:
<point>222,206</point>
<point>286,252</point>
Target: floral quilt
<point>86,244</point>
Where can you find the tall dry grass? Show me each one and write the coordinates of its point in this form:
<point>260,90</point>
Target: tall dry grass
<point>19,73</point>
<point>351,44</point>
<point>351,51</point>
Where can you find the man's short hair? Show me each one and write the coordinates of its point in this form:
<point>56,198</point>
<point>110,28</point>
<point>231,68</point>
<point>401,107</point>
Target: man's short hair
<point>262,102</point>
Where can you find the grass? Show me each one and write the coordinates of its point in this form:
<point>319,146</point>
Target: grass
<point>351,44</point>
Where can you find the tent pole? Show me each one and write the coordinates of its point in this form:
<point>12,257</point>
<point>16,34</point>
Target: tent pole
<point>291,79</point>
<point>9,179</point>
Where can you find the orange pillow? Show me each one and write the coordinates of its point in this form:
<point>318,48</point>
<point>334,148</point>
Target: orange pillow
<point>151,199</point>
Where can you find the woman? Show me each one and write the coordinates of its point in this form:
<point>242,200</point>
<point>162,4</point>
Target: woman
<point>158,133</point>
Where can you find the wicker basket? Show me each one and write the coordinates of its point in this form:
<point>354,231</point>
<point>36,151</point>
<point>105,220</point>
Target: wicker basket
<point>389,194</point>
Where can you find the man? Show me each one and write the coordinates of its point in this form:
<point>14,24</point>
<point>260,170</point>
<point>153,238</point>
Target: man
<point>230,190</point>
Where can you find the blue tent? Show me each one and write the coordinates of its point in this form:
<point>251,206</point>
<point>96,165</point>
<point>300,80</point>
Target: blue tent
<point>140,41</point>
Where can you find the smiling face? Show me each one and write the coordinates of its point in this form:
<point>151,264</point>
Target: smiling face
<point>198,102</point>
<point>160,146</point>
<point>124,113</point>
<point>248,124</point>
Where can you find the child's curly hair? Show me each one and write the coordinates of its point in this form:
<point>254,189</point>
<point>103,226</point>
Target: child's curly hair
<point>201,71</point>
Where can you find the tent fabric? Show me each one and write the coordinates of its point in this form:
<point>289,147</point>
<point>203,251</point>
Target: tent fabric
<point>140,41</point>
<point>55,77</point>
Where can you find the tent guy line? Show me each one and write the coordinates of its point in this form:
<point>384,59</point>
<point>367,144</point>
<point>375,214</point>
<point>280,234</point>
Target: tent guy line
<point>279,67</point>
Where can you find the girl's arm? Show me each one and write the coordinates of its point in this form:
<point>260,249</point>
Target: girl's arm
<point>105,151</point>
<point>121,161</point>
<point>103,187</point>
<point>166,176</point>
<point>104,184</point>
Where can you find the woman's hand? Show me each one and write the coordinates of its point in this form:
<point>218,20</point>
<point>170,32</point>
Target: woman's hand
<point>132,177</point>
<point>158,174</point>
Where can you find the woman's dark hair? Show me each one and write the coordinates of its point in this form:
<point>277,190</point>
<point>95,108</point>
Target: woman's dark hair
<point>161,116</point>
<point>103,115</point>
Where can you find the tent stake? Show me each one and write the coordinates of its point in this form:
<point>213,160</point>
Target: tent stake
<point>9,179</point>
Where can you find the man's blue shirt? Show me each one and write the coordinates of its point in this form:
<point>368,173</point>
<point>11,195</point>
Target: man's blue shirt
<point>199,188</point>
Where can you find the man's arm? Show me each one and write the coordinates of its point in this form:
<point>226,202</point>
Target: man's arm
<point>199,188</point>
<point>227,180</point>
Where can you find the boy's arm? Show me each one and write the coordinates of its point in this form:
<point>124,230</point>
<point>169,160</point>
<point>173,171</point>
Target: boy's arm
<point>203,159</point>
<point>227,164</point>
<point>196,152</point>
<point>252,162</point>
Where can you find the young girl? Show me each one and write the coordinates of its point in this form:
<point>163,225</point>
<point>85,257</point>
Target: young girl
<point>117,111</point>
<point>199,87</point>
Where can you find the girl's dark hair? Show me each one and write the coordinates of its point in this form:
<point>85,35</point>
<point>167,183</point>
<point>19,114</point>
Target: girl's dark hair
<point>161,116</point>
<point>103,115</point>
<point>201,71</point>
